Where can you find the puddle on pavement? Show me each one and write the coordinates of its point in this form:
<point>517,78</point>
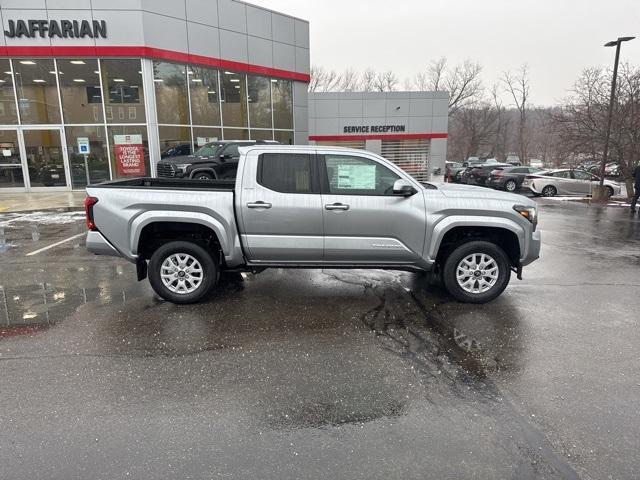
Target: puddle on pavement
<point>31,308</point>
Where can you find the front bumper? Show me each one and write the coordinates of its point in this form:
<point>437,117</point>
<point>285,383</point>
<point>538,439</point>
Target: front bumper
<point>533,252</point>
<point>96,243</point>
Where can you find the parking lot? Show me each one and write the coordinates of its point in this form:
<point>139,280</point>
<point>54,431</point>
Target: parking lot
<point>321,374</point>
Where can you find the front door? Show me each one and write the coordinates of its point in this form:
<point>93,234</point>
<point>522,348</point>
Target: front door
<point>281,208</point>
<point>11,171</point>
<point>364,222</point>
<point>46,159</point>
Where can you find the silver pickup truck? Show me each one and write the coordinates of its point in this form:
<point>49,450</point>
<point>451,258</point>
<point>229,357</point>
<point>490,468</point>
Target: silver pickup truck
<point>312,207</point>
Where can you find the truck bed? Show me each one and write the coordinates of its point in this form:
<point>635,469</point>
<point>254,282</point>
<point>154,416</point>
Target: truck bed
<point>168,184</point>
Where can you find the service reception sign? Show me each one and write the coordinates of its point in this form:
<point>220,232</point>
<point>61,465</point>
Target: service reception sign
<point>129,155</point>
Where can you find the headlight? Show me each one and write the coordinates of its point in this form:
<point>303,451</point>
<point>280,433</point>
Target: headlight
<point>530,213</point>
<point>182,166</point>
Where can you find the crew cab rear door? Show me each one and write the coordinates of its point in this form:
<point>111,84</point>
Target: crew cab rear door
<point>281,208</point>
<point>364,222</point>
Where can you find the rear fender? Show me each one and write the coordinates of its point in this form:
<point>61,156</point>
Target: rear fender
<point>224,236</point>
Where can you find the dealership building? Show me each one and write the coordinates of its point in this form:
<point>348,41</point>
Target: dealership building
<point>97,89</point>
<point>92,90</point>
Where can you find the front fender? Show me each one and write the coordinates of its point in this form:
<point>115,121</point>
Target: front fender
<point>450,222</point>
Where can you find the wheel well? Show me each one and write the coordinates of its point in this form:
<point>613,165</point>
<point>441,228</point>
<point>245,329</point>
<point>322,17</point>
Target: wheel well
<point>157,234</point>
<point>505,239</point>
<point>208,170</point>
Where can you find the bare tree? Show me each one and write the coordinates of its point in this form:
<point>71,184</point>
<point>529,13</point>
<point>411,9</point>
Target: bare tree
<point>462,82</point>
<point>517,86</point>
<point>350,81</point>
<point>323,80</point>
<point>386,81</point>
<point>368,80</point>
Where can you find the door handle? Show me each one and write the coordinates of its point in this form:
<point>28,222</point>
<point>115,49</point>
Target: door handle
<point>259,204</point>
<point>336,206</point>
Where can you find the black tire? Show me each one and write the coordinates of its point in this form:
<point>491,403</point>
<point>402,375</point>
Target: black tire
<point>510,186</point>
<point>203,176</point>
<point>209,271</point>
<point>449,271</point>
<point>549,191</point>
<point>609,191</point>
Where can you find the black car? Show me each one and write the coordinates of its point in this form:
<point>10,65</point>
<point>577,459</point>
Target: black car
<point>176,150</point>
<point>478,175</point>
<point>215,160</point>
<point>509,178</point>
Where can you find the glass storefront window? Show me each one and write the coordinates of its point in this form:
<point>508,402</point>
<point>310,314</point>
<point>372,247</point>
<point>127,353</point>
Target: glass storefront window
<point>96,168</point>
<point>259,92</point>
<point>234,99</point>
<point>282,103</point>
<point>261,134</point>
<point>170,81</point>
<point>129,147</point>
<point>203,135</point>
<point>123,91</point>
<point>8,114</point>
<point>283,136</point>
<point>37,91</point>
<point>172,136</point>
<point>80,91</point>
<point>205,96</point>
<point>10,165</point>
<point>236,134</point>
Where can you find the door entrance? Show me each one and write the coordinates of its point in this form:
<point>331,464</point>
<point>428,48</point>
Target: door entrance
<point>33,159</point>
<point>11,171</point>
<point>46,160</point>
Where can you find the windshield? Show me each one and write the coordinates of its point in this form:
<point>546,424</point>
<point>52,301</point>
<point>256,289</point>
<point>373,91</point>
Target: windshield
<point>208,150</point>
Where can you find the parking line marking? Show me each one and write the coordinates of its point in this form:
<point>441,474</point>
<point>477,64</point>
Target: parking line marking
<point>43,249</point>
<point>15,219</point>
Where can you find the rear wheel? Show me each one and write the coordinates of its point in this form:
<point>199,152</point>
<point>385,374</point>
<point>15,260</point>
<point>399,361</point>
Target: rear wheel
<point>549,191</point>
<point>182,272</point>
<point>609,191</point>
<point>510,186</point>
<point>476,272</point>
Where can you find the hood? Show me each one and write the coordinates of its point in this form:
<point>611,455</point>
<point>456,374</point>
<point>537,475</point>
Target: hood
<point>456,190</point>
<point>182,159</point>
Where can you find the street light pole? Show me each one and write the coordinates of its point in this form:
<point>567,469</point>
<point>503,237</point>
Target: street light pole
<point>599,193</point>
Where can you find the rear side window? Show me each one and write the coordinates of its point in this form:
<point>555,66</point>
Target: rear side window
<point>285,172</point>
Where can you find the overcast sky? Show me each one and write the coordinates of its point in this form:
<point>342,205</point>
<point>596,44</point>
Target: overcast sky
<point>556,38</point>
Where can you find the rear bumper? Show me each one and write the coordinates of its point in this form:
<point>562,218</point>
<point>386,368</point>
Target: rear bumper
<point>495,183</point>
<point>96,243</point>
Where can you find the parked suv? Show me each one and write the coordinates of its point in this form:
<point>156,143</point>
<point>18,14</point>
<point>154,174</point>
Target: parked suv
<point>509,178</point>
<point>478,175</point>
<point>213,161</point>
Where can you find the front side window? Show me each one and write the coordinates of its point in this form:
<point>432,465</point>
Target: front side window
<point>285,172</point>
<point>348,175</point>
<point>562,174</point>
<point>580,175</point>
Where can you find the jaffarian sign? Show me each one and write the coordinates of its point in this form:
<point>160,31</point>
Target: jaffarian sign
<point>53,28</point>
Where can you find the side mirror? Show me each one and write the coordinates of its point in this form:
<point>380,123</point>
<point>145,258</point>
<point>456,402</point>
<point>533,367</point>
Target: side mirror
<point>403,188</point>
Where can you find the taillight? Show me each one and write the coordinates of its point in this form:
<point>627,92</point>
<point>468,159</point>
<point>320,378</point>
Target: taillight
<point>89,202</point>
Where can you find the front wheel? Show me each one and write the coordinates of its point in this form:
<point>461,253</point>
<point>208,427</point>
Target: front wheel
<point>182,272</point>
<point>476,272</point>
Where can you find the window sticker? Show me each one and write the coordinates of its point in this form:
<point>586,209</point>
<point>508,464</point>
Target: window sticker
<point>357,177</point>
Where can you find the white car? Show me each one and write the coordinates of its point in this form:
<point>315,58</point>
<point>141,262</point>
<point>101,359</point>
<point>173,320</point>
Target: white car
<point>566,182</point>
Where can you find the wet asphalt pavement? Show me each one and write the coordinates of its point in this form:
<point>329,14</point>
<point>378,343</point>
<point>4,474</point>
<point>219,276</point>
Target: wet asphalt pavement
<point>322,374</point>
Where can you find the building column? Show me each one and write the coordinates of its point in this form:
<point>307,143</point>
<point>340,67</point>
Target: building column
<point>153,135</point>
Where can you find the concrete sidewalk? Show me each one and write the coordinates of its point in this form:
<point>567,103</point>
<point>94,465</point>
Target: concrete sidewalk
<point>25,202</point>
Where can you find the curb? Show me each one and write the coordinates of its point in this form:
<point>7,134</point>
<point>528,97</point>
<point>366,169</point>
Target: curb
<point>44,210</point>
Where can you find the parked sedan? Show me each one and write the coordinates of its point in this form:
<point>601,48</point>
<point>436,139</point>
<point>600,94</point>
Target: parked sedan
<point>566,182</point>
<point>509,178</point>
